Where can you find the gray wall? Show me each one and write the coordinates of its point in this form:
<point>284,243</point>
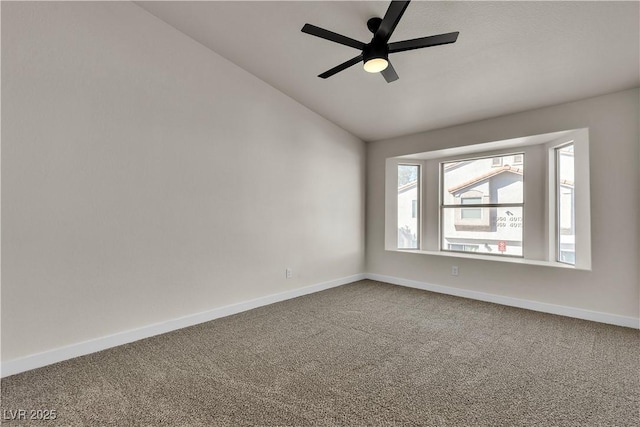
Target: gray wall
<point>613,284</point>
<point>146,178</point>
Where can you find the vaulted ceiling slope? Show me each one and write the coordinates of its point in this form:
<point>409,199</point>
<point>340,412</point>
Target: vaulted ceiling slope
<point>509,57</point>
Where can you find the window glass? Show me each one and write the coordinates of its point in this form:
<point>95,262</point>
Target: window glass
<point>566,233</point>
<point>471,213</point>
<point>503,235</point>
<point>495,184</point>
<point>408,206</point>
<point>496,229</point>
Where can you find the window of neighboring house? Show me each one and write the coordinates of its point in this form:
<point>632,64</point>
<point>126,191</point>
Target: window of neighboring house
<point>471,213</point>
<point>565,207</point>
<point>408,206</point>
<point>463,248</point>
<point>483,205</point>
<point>518,159</point>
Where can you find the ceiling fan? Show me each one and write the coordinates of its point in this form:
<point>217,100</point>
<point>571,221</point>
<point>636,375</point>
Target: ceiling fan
<point>375,54</point>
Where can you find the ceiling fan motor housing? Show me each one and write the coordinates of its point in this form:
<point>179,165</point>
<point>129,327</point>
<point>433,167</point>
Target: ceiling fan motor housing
<point>375,49</point>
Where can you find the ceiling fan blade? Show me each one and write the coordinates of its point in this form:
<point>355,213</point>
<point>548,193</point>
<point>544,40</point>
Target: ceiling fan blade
<point>423,42</point>
<point>330,35</point>
<point>391,19</point>
<point>343,66</point>
<point>389,73</point>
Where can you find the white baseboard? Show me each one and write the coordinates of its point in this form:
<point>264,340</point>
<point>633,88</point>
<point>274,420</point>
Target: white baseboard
<point>22,364</point>
<point>579,313</point>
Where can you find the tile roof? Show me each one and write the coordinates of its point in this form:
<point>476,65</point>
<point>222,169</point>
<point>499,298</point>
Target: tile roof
<point>491,173</point>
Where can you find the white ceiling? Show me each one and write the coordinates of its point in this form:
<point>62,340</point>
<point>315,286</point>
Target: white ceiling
<point>509,57</point>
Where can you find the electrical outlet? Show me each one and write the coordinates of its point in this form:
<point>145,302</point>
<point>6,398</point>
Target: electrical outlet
<point>288,273</point>
<point>454,270</point>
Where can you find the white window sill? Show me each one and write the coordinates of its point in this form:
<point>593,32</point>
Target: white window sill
<point>498,258</point>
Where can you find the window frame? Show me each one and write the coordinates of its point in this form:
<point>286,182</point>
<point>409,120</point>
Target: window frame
<point>557,153</point>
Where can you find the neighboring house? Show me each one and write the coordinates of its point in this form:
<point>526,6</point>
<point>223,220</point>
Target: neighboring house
<point>566,217</point>
<point>495,230</point>
<point>408,215</point>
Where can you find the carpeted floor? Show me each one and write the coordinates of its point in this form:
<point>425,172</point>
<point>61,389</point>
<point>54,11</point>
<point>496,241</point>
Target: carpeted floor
<point>361,354</point>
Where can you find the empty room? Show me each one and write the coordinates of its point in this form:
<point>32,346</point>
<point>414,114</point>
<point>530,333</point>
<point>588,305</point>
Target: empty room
<point>329,213</point>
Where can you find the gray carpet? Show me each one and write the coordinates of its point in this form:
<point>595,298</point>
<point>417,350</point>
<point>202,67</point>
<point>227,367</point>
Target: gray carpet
<point>362,354</point>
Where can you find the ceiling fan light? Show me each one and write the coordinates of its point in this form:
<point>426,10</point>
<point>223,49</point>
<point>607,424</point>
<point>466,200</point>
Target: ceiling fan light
<point>375,65</point>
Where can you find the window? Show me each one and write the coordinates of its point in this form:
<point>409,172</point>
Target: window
<point>473,201</point>
<point>463,248</point>
<point>491,220</point>
<point>471,213</point>
<point>565,211</point>
<point>408,206</point>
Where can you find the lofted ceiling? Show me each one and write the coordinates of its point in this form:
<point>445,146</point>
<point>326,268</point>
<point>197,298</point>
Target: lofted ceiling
<point>509,57</point>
